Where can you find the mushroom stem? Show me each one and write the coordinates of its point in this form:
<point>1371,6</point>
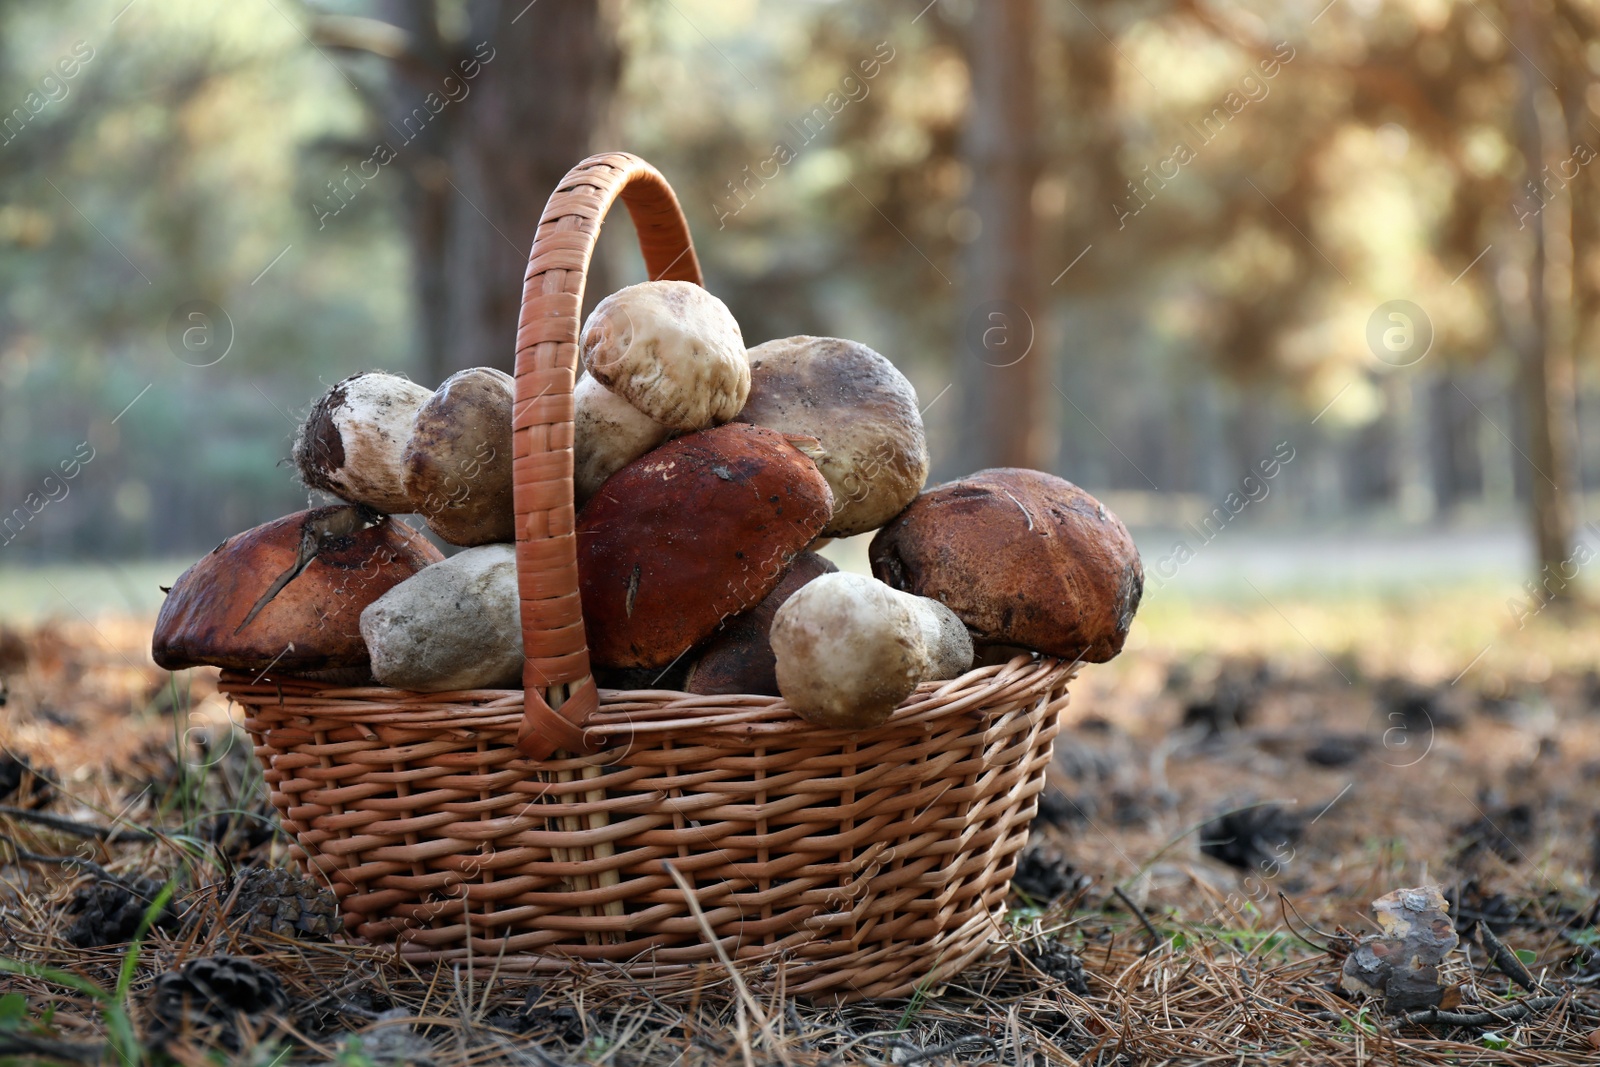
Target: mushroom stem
<point>849,649</point>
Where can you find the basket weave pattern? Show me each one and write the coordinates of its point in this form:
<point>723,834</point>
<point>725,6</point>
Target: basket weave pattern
<point>689,831</point>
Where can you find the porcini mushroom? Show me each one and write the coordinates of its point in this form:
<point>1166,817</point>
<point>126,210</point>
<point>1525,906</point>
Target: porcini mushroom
<point>455,625</point>
<point>608,433</point>
<point>1024,558</point>
<point>287,596</point>
<point>850,649</point>
<point>673,353</point>
<point>457,461</point>
<point>353,442</point>
<point>670,677</point>
<point>862,410</point>
<point>738,657</point>
<point>700,529</point>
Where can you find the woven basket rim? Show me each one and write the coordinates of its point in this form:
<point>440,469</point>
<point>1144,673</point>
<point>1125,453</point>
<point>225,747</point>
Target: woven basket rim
<point>625,713</point>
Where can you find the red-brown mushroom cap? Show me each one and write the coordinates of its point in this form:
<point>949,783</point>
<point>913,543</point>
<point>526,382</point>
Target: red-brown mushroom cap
<point>1023,558</point>
<point>697,530</point>
<point>288,595</point>
<point>738,658</point>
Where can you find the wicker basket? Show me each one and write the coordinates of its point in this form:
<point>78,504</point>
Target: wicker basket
<point>671,835</point>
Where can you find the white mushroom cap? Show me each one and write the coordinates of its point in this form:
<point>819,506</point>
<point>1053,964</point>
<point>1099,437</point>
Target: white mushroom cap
<point>949,645</point>
<point>670,349</point>
<point>353,443</point>
<point>850,649</point>
<point>458,458</point>
<point>454,625</point>
<point>862,409</point>
<point>608,434</point>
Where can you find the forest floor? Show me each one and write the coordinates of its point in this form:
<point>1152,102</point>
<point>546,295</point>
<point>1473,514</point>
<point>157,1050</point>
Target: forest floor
<point>1228,799</point>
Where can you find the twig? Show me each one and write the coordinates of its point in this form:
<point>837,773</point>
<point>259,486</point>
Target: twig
<point>15,1043</point>
<point>25,856</point>
<point>715,942</point>
<point>797,1025</point>
<point>1288,905</point>
<point>76,828</point>
<point>1507,960</point>
<point>1156,940</point>
<point>544,1058</point>
<point>917,1055</point>
<point>1510,1013</point>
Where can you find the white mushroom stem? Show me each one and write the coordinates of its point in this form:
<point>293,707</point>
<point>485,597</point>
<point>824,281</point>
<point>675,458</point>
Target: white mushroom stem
<point>608,434</point>
<point>661,357</point>
<point>353,443</point>
<point>850,649</point>
<point>945,636</point>
<point>454,625</point>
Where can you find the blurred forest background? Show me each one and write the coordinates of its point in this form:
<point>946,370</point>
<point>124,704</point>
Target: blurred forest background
<point>1151,246</point>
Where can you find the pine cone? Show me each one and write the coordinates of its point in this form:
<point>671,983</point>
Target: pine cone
<point>551,1017</point>
<point>108,913</point>
<point>238,834</point>
<point>1044,874</point>
<point>21,783</point>
<point>390,1042</point>
<point>273,900</point>
<point>1059,962</point>
<point>210,998</point>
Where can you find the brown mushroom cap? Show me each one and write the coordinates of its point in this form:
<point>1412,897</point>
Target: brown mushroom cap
<point>1024,558</point>
<point>699,529</point>
<point>352,443</point>
<point>670,678</point>
<point>457,462</point>
<point>739,657</point>
<point>288,594</point>
<point>861,409</point>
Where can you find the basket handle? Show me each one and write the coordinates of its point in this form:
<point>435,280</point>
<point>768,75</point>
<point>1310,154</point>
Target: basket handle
<point>555,670</point>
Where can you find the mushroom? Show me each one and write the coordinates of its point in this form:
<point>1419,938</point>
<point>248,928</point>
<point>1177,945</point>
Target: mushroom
<point>850,649</point>
<point>352,443</point>
<point>456,625</point>
<point>671,678</point>
<point>700,529</point>
<point>674,354</point>
<point>861,409</point>
<point>608,433</point>
<point>1024,558</point>
<point>287,596</point>
<point>738,658</point>
<point>457,462</point>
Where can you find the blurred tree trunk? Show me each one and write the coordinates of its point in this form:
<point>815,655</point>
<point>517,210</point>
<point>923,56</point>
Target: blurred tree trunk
<point>1004,381</point>
<point>478,172</point>
<point>539,107</point>
<point>1547,356</point>
<point>426,197</point>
